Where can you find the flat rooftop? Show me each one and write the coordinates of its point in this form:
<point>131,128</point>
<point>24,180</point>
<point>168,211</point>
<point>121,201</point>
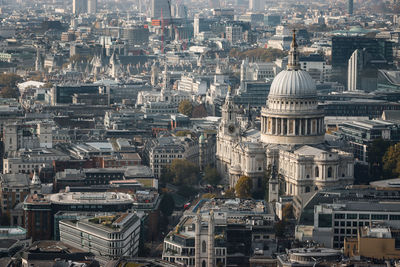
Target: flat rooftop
<point>233,206</point>
<point>90,198</point>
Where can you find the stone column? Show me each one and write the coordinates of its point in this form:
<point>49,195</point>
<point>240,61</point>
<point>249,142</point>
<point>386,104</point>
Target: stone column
<point>306,127</point>
<point>211,237</point>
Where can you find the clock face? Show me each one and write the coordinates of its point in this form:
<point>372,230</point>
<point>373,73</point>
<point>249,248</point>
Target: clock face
<point>231,128</point>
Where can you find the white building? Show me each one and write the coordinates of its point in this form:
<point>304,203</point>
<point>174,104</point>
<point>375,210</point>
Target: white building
<point>316,66</point>
<point>92,6</point>
<point>162,151</point>
<point>291,138</point>
<point>354,67</point>
<point>27,161</point>
<point>256,71</point>
<point>193,85</point>
<point>107,236</point>
<point>256,5</point>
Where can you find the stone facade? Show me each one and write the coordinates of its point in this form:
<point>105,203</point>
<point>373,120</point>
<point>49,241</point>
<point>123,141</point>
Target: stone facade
<point>291,139</point>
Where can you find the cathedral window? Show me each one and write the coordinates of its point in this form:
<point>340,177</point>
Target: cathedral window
<point>316,172</point>
<point>203,246</point>
<point>329,172</point>
<point>307,189</point>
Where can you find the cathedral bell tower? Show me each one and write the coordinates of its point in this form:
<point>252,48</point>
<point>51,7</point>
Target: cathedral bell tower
<point>229,124</point>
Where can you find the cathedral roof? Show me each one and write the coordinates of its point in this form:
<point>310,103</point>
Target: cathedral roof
<point>293,82</point>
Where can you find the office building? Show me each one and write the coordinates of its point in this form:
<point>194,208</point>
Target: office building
<point>256,5</point>
<point>50,253</point>
<point>106,236</point>
<point>272,20</point>
<point>63,94</point>
<point>160,10</point>
<point>330,216</point>
<point>79,6</point>
<point>316,66</point>
<point>309,257</point>
<point>234,34</point>
<point>223,232</point>
<point>379,51</point>
<point>91,6</point>
<point>136,35</point>
<point>361,134</point>
<point>27,161</point>
<point>40,209</point>
<point>373,242</point>
<point>13,190</point>
<point>353,71</point>
<point>160,152</point>
<point>350,7</point>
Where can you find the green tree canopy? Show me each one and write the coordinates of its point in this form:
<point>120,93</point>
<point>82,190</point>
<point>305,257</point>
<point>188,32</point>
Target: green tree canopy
<point>391,162</point>
<point>8,84</point>
<point>212,176</point>
<point>258,54</point>
<point>243,187</point>
<point>185,107</point>
<point>181,172</point>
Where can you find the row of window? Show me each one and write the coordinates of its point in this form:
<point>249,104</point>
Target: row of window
<point>342,216</point>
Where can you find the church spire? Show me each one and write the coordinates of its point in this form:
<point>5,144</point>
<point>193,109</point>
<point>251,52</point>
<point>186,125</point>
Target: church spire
<point>293,63</point>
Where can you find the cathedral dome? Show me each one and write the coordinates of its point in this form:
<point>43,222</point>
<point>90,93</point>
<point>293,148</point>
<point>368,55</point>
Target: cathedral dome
<point>293,84</point>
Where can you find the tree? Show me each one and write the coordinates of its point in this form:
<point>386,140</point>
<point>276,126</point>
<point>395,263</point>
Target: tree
<point>8,92</point>
<point>167,205</point>
<point>376,152</point>
<point>391,162</point>
<point>8,84</point>
<point>258,54</point>
<point>185,107</point>
<point>287,212</point>
<point>183,172</point>
<point>230,193</point>
<point>212,176</point>
<point>243,187</point>
<point>183,133</point>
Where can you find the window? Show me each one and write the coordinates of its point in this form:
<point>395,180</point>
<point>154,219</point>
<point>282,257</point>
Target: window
<point>339,216</point>
<point>307,189</point>
<point>364,216</point>
<point>316,171</point>
<point>329,172</point>
<point>394,217</point>
<point>203,246</point>
<point>351,216</point>
<point>379,217</point>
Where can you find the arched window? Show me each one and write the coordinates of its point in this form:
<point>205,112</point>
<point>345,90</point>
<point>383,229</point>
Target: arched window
<point>203,264</point>
<point>316,171</point>
<point>203,246</point>
<point>307,189</point>
<point>329,172</point>
<point>308,176</point>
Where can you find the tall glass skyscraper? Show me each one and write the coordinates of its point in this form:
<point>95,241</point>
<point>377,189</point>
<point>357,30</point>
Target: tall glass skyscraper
<point>350,7</point>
